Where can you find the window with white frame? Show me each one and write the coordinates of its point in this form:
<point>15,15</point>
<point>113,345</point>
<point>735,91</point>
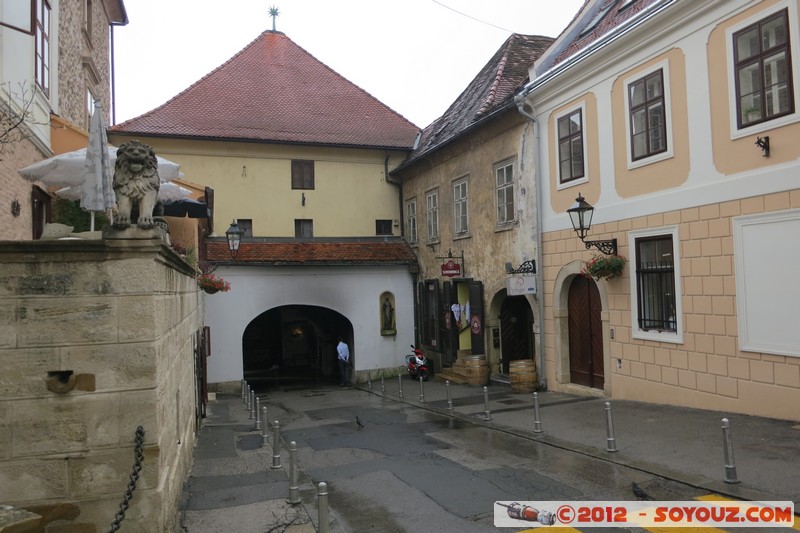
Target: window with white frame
<point>655,285</point>
<point>460,207</point>
<point>504,181</point>
<point>411,221</point>
<point>571,146</point>
<point>647,116</point>
<point>42,63</point>
<point>763,67</point>
<point>432,215</point>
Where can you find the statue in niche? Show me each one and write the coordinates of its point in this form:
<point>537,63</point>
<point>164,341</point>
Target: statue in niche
<point>387,314</point>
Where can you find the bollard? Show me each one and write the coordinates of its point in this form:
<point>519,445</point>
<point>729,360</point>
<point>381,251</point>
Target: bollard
<point>486,414</point>
<point>611,442</point>
<point>247,398</point>
<point>258,412</point>
<point>400,381</point>
<point>449,399</point>
<point>421,392</point>
<point>383,387</point>
<point>730,464</point>
<point>294,490</point>
<point>252,404</point>
<point>537,424</point>
<point>369,383</point>
<point>243,388</point>
<point>322,503</point>
<point>264,427</point>
<point>276,445</point>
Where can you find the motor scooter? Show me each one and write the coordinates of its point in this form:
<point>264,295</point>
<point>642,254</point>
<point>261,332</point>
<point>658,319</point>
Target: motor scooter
<point>417,365</point>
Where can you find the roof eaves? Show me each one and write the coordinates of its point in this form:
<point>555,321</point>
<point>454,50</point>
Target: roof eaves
<point>581,55</point>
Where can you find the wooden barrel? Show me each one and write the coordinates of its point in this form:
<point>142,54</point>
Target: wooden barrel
<point>477,370</point>
<point>523,375</point>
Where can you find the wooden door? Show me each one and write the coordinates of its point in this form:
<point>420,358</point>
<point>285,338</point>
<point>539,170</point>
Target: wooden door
<point>515,331</point>
<point>585,334</point>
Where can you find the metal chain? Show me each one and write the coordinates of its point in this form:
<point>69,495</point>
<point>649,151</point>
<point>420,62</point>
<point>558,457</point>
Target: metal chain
<point>137,468</point>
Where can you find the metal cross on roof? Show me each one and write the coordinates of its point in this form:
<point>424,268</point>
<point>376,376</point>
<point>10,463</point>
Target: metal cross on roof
<point>273,12</point>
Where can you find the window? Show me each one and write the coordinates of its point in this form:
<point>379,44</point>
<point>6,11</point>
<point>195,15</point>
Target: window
<point>302,174</point>
<point>432,207</point>
<point>42,63</point>
<point>655,284</point>
<point>303,228</point>
<point>246,225</point>
<point>460,205</point>
<point>762,61</point>
<point>383,227</point>
<point>570,146</point>
<point>87,20</point>
<point>411,221</point>
<point>504,180</point>
<point>647,115</point>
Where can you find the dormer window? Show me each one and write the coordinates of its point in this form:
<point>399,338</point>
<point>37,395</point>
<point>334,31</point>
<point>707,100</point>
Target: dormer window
<point>596,20</point>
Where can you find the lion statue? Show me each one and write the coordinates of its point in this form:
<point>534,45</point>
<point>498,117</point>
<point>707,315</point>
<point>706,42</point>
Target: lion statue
<point>136,181</point>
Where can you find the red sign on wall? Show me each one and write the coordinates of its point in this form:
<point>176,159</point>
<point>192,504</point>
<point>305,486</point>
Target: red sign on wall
<point>451,269</point>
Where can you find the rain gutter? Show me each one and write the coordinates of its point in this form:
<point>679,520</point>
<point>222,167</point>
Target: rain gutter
<point>520,101</point>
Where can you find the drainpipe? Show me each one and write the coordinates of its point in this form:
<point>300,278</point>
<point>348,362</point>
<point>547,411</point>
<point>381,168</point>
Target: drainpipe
<point>526,110</point>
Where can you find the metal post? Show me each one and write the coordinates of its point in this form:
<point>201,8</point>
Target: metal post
<point>421,392</point>
<point>322,503</point>
<point>400,380</point>
<point>294,490</point>
<point>486,414</point>
<point>383,387</point>
<point>611,442</point>
<point>257,413</point>
<point>730,464</point>
<point>449,399</point>
<point>276,445</point>
<point>537,423</point>
<point>247,398</point>
<point>244,384</point>
<point>369,383</point>
<point>252,404</point>
<point>264,427</point>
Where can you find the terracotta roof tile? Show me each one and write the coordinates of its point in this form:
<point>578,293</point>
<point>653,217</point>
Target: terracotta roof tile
<point>614,14</point>
<point>275,91</point>
<point>315,252</point>
<point>491,90</point>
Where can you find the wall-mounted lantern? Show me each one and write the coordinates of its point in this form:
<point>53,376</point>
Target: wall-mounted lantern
<point>580,215</point>
<point>234,235</point>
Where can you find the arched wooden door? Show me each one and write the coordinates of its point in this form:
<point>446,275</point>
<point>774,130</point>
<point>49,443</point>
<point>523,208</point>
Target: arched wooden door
<point>585,334</point>
<point>516,324</point>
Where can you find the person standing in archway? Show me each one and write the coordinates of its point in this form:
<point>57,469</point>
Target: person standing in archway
<point>344,360</point>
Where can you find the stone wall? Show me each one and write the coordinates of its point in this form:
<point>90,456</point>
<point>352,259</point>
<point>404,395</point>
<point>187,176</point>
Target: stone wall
<point>96,338</point>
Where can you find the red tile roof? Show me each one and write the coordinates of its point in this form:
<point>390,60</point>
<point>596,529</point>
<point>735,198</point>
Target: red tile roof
<point>275,91</point>
<point>491,90</point>
<point>614,13</point>
<point>316,252</point>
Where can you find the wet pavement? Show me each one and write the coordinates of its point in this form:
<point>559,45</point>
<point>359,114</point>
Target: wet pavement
<point>406,452</point>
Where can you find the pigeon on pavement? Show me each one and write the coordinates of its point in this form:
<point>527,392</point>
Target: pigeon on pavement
<point>358,421</point>
<point>639,493</point>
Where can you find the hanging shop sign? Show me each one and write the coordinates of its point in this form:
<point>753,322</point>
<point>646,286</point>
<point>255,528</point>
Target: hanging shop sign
<point>451,269</point>
<point>520,284</point>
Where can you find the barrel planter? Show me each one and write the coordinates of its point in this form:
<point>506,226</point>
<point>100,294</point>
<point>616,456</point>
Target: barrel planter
<point>477,370</point>
<point>523,375</point>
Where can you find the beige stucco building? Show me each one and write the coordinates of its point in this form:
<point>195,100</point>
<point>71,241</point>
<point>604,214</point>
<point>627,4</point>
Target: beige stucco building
<point>676,121</point>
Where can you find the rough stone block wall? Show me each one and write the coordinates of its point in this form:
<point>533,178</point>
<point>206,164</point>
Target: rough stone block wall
<point>96,338</point>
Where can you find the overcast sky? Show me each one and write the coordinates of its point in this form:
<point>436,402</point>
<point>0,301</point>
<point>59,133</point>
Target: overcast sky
<point>416,56</point>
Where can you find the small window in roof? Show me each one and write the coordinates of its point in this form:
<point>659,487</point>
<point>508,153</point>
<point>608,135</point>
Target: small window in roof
<point>624,4</point>
<point>597,18</point>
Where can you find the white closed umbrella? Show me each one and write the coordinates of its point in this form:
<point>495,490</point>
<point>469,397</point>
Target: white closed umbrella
<point>97,192</point>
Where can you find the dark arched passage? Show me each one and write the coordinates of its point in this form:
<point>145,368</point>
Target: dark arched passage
<point>294,344</point>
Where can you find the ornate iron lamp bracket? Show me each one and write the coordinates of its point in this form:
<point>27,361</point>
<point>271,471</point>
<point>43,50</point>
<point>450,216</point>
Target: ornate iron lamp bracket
<point>608,247</point>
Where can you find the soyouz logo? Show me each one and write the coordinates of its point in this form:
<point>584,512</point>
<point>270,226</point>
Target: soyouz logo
<point>644,514</point>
